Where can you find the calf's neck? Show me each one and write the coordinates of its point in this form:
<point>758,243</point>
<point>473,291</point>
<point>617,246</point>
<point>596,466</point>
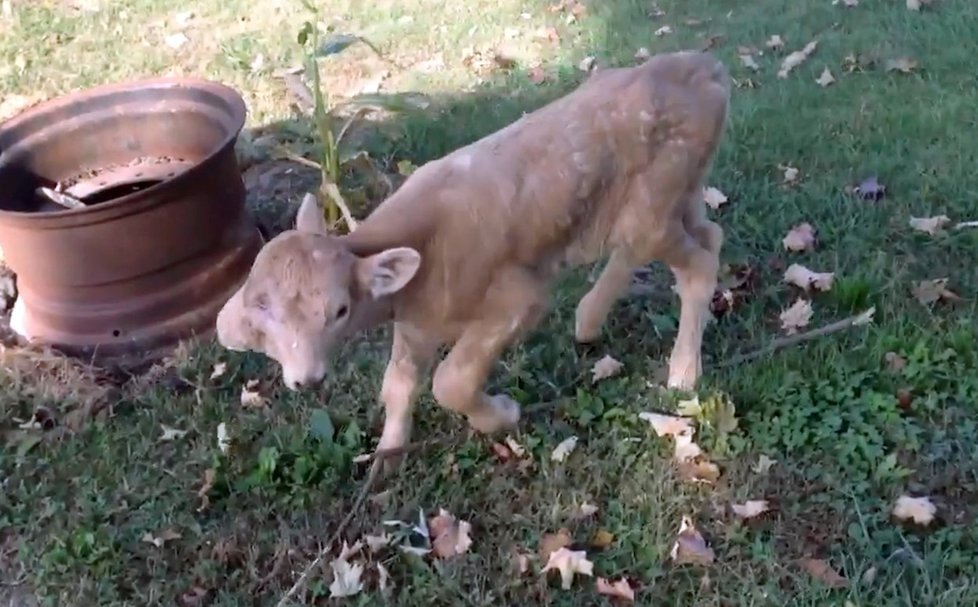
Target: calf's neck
<point>465,252</point>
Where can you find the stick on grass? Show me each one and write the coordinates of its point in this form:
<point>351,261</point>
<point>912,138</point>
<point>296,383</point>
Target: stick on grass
<point>862,318</point>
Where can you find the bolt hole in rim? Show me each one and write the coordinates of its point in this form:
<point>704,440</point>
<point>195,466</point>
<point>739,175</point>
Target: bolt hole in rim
<point>164,237</point>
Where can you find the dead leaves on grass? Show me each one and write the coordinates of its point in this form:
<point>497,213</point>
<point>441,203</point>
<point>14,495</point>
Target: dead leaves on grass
<point>793,60</point>
<point>797,316</point>
<point>690,460</point>
<point>920,510</point>
<point>605,368</point>
<point>564,449</point>
<point>449,536</point>
<point>800,238</point>
<point>933,291</point>
<point>690,548</point>
<point>823,572</point>
<point>775,42</point>
<point>714,198</point>
<point>167,535</point>
<point>932,225</point>
<point>902,65</point>
<point>618,590</point>
<point>825,78</point>
<point>870,188</point>
<point>569,563</point>
<point>801,277</point>
<point>916,5</point>
<point>750,508</point>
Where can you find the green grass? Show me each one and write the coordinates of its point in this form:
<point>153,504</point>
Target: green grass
<point>75,505</point>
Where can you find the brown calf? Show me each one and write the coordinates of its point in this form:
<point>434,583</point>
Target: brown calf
<point>465,252</point>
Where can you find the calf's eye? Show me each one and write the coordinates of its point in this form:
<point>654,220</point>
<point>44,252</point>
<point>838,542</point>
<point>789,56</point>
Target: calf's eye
<point>342,312</point>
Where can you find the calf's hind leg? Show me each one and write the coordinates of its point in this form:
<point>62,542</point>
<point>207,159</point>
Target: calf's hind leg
<point>695,268</point>
<point>611,284</point>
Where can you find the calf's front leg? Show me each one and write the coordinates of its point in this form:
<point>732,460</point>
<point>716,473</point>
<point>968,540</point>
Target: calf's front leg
<point>411,354</point>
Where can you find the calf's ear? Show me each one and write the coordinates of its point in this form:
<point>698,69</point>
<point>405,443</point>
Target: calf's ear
<point>310,216</point>
<point>388,271</point>
<point>235,330</point>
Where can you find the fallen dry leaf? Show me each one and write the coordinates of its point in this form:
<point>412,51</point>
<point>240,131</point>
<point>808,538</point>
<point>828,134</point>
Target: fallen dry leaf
<point>601,539</point>
<point>775,42</point>
<point>667,425</point>
<point>514,446</point>
<point>686,449</point>
<point>797,316</point>
<point>802,277</point>
<point>662,31</point>
<point>790,173</point>
<point>587,64</point>
<point>643,54</point>
<point>916,5</point>
<point>376,543</point>
<point>167,535</point>
<point>223,440</point>
<point>796,58</point>
<point>564,449</point>
<point>825,78</point>
<point>846,3</point>
<point>210,475</point>
<point>251,398</point>
<point>502,451</point>
<point>346,578</point>
<point>919,509</point>
<point>932,225</point>
<point>551,542</point>
<point>537,75</point>
<point>748,61</point>
<point>346,551</point>
<point>822,571</point>
<point>449,537</point>
<point>690,547</point>
<point>904,65</point>
<point>176,41</point>
<point>170,434</point>
<point>219,370</point>
<point>383,577</point>
<point>714,197</point>
<point>894,362</point>
<point>699,470</point>
<point>799,238</point>
<point>868,576</point>
<point>549,34</point>
<point>750,508</point>
<point>587,510</point>
<point>931,291</point>
<point>605,368</point>
<point>568,562</point>
<point>870,188</point>
<point>764,464</point>
<point>620,589</point>
<point>521,562</point>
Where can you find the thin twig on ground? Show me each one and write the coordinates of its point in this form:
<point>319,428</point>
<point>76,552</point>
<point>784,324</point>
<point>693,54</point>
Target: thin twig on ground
<point>378,458</point>
<point>862,318</point>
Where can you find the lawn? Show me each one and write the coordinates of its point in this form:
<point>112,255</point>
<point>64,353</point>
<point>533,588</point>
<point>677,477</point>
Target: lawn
<point>103,505</point>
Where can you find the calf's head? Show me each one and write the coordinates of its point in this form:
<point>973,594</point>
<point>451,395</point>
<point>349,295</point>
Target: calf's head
<point>305,293</point>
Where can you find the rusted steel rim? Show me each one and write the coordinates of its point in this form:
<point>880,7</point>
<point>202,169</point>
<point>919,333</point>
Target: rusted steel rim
<point>164,238</point>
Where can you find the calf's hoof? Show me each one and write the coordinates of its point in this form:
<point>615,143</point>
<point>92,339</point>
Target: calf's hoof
<point>501,413</point>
